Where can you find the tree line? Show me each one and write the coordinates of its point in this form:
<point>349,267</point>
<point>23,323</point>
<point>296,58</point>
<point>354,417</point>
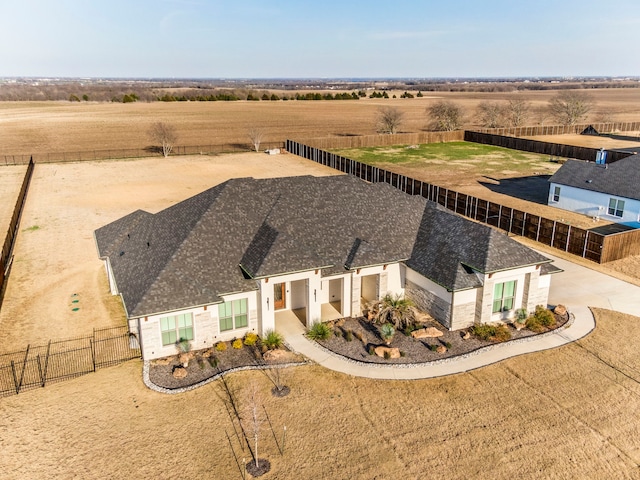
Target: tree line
<point>567,107</point>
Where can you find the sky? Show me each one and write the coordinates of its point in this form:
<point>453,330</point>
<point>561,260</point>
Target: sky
<point>320,39</point>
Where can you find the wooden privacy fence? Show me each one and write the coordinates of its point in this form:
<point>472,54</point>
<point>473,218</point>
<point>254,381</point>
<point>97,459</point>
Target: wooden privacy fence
<point>362,141</point>
<point>584,243</point>
<point>7,247</point>
<point>545,148</point>
<point>39,365</point>
<point>536,130</point>
<point>119,153</point>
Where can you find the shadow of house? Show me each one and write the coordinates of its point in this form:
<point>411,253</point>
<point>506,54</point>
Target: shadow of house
<point>533,188</point>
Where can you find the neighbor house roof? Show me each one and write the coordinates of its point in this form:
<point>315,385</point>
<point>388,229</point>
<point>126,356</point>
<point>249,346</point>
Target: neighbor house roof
<point>219,241</point>
<point>620,178</point>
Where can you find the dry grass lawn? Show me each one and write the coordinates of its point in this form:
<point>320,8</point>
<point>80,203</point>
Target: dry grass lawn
<point>565,413</point>
<point>55,254</point>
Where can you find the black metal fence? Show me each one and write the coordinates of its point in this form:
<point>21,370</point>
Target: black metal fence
<point>38,365</point>
<point>584,243</point>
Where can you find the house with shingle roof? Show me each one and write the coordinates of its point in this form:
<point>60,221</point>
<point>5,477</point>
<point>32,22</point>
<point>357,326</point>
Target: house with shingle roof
<point>232,258</point>
<point>608,191</point>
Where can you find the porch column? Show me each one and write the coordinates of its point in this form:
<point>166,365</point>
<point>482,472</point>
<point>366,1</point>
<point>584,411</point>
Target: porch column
<point>314,299</point>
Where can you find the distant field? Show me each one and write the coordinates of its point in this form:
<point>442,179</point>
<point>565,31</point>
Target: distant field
<point>39,127</point>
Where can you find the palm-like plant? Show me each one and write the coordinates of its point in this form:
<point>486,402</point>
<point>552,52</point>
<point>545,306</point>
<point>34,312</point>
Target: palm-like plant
<point>395,309</point>
<point>387,331</point>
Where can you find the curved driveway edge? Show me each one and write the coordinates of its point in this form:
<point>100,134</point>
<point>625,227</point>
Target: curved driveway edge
<point>577,287</point>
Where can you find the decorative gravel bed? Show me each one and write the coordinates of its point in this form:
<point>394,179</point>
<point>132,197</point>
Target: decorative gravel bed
<point>205,364</point>
<point>364,335</point>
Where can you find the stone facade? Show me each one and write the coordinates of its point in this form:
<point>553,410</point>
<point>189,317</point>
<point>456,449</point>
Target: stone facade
<point>463,316</point>
<point>436,307</point>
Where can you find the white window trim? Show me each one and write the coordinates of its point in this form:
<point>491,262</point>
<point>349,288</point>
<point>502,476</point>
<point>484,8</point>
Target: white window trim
<point>233,316</point>
<point>617,200</point>
<point>177,328</point>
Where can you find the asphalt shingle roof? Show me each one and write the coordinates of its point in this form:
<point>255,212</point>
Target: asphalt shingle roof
<point>218,241</point>
<point>621,178</point>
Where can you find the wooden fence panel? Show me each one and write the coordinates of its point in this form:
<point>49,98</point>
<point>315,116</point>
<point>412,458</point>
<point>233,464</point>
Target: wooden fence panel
<point>543,148</point>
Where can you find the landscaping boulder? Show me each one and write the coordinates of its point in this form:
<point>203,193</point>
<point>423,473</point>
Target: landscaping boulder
<point>441,349</point>
<point>163,361</point>
<point>421,317</point>
<point>560,310</point>
<point>429,332</point>
<point>184,358</point>
<point>392,352</point>
<point>179,372</point>
<point>280,356</point>
<point>466,335</point>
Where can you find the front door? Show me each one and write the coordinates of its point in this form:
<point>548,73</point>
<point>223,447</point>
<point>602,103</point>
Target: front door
<point>279,296</point>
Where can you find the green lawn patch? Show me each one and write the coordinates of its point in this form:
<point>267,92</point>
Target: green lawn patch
<point>467,154</point>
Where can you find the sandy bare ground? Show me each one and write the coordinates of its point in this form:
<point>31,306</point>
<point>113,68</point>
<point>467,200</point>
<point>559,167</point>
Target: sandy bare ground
<point>41,127</point>
<point>565,413</point>
<point>626,140</point>
<point>11,178</point>
<point>55,254</point>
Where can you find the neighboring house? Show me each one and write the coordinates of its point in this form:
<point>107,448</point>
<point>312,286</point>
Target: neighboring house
<point>608,191</point>
<point>230,259</point>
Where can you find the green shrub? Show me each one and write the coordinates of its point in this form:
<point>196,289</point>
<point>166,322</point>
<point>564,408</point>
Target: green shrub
<point>541,320</point>
<point>319,331</point>
<point>491,332</point>
<point>387,331</point>
<point>545,316</point>
<point>448,345</point>
<point>250,339</point>
<point>272,340</point>
<point>433,347</point>
<point>183,345</point>
<point>521,315</point>
<point>402,354</point>
<point>372,350</point>
<point>221,346</point>
<point>237,344</point>
<point>348,335</point>
<point>200,362</point>
<point>387,355</point>
<point>213,361</point>
<point>338,332</point>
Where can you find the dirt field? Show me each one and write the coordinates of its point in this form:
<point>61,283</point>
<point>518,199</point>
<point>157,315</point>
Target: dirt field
<point>10,182</point>
<point>55,255</point>
<point>625,140</point>
<point>37,127</point>
<point>565,413</point>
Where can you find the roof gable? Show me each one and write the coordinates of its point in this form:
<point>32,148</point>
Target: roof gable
<point>619,178</point>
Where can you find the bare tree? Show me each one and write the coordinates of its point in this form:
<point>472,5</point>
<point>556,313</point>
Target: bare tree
<point>255,422</point>
<point>445,116</point>
<point>256,135</point>
<point>491,114</point>
<point>570,107</point>
<point>389,119</point>
<point>164,134</point>
<point>517,112</point>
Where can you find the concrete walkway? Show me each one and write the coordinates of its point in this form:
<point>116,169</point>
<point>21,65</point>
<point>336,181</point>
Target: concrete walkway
<point>577,287</point>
